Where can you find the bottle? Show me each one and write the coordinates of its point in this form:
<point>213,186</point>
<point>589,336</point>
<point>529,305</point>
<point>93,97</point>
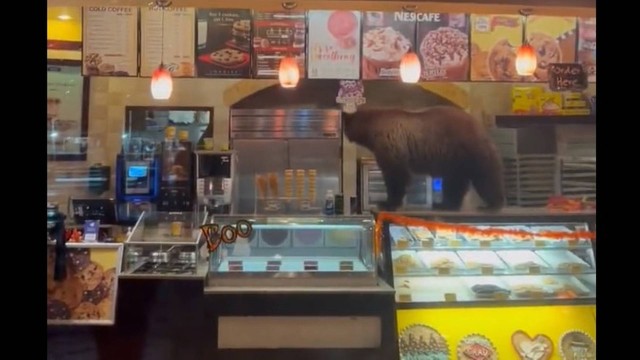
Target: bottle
<point>329,203</point>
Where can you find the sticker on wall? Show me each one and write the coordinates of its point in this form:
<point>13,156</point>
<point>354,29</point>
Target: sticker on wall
<point>476,347</point>
<point>577,345</point>
<point>421,342</point>
<point>351,95</point>
<point>539,347</point>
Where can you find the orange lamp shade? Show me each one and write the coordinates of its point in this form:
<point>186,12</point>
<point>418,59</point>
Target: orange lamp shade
<point>526,61</point>
<point>161,83</point>
<point>288,72</point>
<point>410,68</point>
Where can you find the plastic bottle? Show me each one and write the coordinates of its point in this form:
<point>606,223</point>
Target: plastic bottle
<point>329,203</point>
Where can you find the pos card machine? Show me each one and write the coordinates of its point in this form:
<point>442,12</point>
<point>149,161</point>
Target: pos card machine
<point>177,190</point>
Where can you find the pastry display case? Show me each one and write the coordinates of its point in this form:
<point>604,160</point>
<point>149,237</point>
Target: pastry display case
<point>283,252</point>
<point>165,245</point>
<point>493,275</point>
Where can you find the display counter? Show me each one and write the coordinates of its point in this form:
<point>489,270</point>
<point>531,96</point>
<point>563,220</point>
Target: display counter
<point>166,245</point>
<point>514,284</point>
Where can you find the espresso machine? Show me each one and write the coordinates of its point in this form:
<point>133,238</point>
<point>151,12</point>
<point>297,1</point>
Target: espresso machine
<point>177,188</point>
<point>214,173</point>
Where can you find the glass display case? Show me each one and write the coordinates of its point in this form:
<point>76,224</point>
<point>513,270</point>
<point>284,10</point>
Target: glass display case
<point>165,245</point>
<point>493,259</point>
<point>298,251</point>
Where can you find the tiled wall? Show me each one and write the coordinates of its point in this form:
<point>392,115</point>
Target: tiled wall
<point>109,96</point>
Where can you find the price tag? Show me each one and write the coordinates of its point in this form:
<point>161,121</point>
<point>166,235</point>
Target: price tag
<point>486,270</point>
<point>311,265</point>
<point>540,243</point>
<point>346,265</point>
<point>236,265</point>
<point>454,243</point>
<point>534,270</point>
<point>500,295</point>
<point>427,244</point>
<point>450,297</point>
<point>402,244</point>
<point>273,267</point>
<point>444,271</point>
<point>305,205</point>
<point>399,269</point>
<point>485,244</point>
<point>404,298</point>
<point>575,269</point>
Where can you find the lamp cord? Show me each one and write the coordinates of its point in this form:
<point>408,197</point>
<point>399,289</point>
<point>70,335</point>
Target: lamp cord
<point>162,40</point>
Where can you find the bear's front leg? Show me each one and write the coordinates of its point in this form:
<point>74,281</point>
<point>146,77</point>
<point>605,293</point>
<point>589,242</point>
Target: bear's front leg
<point>396,180</point>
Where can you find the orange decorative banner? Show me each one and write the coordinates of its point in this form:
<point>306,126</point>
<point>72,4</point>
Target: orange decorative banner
<point>472,230</point>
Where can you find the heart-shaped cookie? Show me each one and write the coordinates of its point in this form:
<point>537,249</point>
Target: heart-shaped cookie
<point>540,347</point>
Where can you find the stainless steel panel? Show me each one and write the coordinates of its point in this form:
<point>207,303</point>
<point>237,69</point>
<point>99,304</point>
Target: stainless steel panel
<point>256,156</point>
<point>300,123</point>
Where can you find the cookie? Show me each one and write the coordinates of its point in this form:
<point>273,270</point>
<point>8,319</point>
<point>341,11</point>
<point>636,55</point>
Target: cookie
<point>57,310</point>
<point>69,292</point>
<point>91,276</point>
<point>96,295</point>
<point>476,347</point>
<point>242,25</point>
<point>228,56</point>
<point>488,290</point>
<point>79,259</point>
<point>540,347</point>
<point>577,345</point>
<point>502,62</point>
<point>105,307</point>
<point>422,342</point>
<point>547,52</point>
<point>109,278</point>
<point>86,311</point>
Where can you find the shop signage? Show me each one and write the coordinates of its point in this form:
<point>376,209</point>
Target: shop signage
<point>215,235</point>
<point>567,77</point>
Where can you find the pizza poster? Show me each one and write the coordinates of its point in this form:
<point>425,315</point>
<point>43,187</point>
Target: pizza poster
<point>167,36</point>
<point>223,43</point>
<point>334,44</point>
<point>110,41</point>
<point>276,35</point>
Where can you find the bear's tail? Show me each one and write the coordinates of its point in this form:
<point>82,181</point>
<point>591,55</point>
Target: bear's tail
<point>487,175</point>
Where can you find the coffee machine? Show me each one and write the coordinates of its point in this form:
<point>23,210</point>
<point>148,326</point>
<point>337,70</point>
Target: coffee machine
<point>214,173</point>
<point>177,188</point>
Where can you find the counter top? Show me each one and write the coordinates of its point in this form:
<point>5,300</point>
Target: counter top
<point>382,287</point>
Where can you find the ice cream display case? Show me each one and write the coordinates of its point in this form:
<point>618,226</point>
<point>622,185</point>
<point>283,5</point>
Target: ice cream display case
<point>283,251</point>
<point>518,284</point>
<point>165,245</point>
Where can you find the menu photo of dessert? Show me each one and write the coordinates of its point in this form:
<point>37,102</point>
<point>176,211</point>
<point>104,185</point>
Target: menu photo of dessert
<point>587,46</point>
<point>334,44</point>
<point>276,35</point>
<point>385,40</point>
<point>223,43</point>
<point>88,291</point>
<point>554,39</point>
<point>443,46</point>
<point>494,42</point>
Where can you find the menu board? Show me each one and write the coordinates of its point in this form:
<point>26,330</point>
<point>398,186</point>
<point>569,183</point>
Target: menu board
<point>494,42</point>
<point>587,46</point>
<point>224,41</point>
<point>386,37</point>
<point>174,46</point>
<point>443,46</point>
<point>334,44</point>
<point>110,40</point>
<point>276,35</point>
<point>554,39</point>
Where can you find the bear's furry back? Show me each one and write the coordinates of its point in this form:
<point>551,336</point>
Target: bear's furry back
<point>442,141</point>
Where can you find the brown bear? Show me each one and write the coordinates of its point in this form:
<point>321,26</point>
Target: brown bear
<point>442,141</point>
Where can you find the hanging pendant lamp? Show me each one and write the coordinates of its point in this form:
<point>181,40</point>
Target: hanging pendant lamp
<point>410,68</point>
<point>288,72</point>
<point>526,58</point>
<point>161,81</point>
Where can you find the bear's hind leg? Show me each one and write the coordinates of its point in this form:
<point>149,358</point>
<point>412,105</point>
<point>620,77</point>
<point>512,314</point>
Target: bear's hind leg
<point>396,179</point>
<point>454,189</point>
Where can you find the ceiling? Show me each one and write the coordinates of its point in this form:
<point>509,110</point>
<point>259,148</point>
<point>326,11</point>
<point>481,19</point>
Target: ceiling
<point>54,12</point>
